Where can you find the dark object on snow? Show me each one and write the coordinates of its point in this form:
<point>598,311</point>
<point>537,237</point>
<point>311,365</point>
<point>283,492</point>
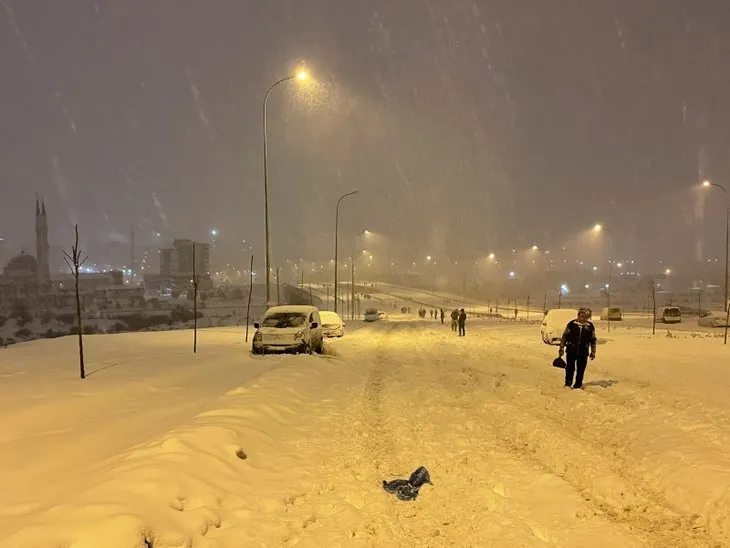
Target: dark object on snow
<point>559,362</point>
<point>408,489</point>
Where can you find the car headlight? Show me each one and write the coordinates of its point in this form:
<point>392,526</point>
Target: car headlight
<point>299,335</point>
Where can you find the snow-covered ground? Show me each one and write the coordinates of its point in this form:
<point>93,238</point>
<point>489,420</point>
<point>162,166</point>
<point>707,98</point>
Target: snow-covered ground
<point>162,448</point>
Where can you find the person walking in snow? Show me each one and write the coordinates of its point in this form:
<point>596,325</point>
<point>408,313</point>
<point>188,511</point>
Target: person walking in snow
<point>430,313</point>
<point>462,323</point>
<point>442,316</point>
<point>454,320</point>
<point>579,341</point>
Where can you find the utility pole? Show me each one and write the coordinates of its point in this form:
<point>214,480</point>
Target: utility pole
<point>352,289</point>
<point>337,229</point>
<point>278,291</point>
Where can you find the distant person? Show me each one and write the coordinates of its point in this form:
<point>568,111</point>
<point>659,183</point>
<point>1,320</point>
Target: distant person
<point>454,320</point>
<point>462,323</point>
<point>442,316</point>
<point>430,313</point>
<point>579,341</point>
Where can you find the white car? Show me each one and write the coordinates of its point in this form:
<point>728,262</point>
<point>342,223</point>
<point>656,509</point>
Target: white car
<point>713,319</point>
<point>554,323</point>
<point>332,324</point>
<point>294,328</point>
<point>612,314</point>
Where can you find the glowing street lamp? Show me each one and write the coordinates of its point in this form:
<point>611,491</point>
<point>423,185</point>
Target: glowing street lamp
<point>301,75</point>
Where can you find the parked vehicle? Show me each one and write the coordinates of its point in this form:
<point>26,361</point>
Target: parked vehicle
<point>712,319</point>
<point>554,322</point>
<point>670,314</point>
<point>294,328</point>
<point>382,315</point>
<point>332,324</point>
<point>371,315</point>
<point>613,314</point>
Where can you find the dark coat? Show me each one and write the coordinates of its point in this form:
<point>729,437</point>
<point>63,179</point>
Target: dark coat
<point>579,338</point>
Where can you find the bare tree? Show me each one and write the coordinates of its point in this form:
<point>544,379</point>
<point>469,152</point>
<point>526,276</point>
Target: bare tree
<point>652,299</point>
<point>250,290</point>
<point>75,262</point>
<point>196,283</point>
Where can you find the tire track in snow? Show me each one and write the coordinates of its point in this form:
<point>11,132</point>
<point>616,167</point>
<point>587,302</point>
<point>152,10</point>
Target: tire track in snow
<point>439,423</point>
<point>524,419</point>
<point>379,445</point>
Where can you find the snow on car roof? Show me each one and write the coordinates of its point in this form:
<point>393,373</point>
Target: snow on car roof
<point>327,314</point>
<point>290,309</point>
<point>570,313</point>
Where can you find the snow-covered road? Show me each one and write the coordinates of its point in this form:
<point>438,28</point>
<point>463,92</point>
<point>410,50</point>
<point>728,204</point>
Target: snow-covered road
<point>296,455</point>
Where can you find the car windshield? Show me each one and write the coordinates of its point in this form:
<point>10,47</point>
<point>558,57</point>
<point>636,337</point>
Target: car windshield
<point>284,319</point>
<point>371,311</point>
<point>672,312</point>
<point>615,311</point>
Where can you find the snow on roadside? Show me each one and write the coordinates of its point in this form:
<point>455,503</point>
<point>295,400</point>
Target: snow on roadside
<point>57,431</point>
<point>231,464</point>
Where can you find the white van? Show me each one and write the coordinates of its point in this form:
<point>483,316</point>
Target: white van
<point>293,328</point>
<point>669,314</point>
<point>554,323</point>
<point>613,314</point>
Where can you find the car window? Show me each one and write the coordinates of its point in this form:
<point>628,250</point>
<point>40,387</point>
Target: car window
<point>284,319</point>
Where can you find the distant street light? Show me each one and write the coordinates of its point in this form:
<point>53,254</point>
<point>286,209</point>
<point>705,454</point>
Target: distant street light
<point>299,76</point>
<point>600,228</point>
<point>337,228</point>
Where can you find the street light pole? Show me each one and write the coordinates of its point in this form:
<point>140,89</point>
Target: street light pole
<point>727,247</point>
<point>337,228</point>
<point>601,228</point>
<point>727,234</point>
<point>301,76</point>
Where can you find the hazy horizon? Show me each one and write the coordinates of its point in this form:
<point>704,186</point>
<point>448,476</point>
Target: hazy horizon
<point>467,127</point>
